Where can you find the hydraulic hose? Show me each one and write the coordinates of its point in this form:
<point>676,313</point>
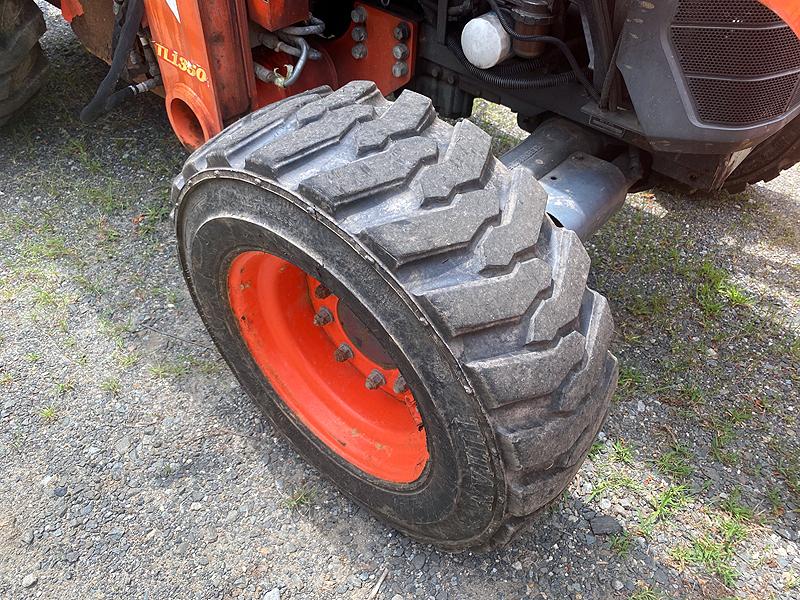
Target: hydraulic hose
<point>509,80</point>
<point>103,99</point>
<point>553,41</point>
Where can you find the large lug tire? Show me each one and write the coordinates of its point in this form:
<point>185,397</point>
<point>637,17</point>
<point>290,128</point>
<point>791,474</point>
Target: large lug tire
<point>767,160</point>
<point>450,260</point>
<point>23,65</point>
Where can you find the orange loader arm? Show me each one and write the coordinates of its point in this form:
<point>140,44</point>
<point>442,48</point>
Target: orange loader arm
<point>788,10</point>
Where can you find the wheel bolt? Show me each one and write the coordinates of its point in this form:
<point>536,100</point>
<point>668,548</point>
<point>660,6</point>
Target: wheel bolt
<point>323,317</point>
<point>400,69</point>
<point>359,34</point>
<point>321,292</point>
<point>343,353</point>
<point>400,51</point>
<point>375,380</point>
<point>401,32</point>
<point>359,51</point>
<point>400,385</point>
<point>358,15</point>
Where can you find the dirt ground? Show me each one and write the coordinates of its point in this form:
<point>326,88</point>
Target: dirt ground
<point>133,466</point>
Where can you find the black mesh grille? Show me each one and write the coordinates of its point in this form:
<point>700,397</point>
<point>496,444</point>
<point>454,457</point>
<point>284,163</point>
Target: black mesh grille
<point>742,102</point>
<point>736,52</point>
<point>724,12</point>
<point>741,61</point>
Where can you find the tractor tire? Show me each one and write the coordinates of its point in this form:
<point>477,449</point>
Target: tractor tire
<point>767,160</point>
<point>23,65</point>
<point>448,262</point>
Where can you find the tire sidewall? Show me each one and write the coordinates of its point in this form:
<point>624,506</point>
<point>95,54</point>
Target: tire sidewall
<point>459,499</point>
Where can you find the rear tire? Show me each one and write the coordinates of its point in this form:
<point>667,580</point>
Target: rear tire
<point>767,160</point>
<point>450,260</point>
<point>23,65</point>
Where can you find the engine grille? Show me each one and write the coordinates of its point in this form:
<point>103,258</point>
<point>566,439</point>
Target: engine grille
<point>740,60</point>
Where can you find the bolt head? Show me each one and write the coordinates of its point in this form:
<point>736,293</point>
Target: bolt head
<point>321,292</point>
<point>359,51</point>
<point>358,15</point>
<point>400,69</point>
<point>359,34</point>
<point>375,380</point>
<point>400,52</point>
<point>343,353</point>
<point>323,317</point>
<point>401,31</point>
<point>400,385</point>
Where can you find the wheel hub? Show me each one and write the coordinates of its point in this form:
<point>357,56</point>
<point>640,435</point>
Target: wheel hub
<point>327,367</point>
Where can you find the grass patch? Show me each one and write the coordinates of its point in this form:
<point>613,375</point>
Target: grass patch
<point>715,556</point>
<point>167,369</point>
<point>300,498</point>
<point>614,481</point>
<point>48,414</point>
<point>621,543</point>
<point>112,386</point>
<point>734,506</point>
<point>675,463</point>
<point>621,452</point>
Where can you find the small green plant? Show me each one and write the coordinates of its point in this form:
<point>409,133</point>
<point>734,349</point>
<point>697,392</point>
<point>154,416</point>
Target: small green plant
<point>126,359</point>
<point>647,593</point>
<point>614,481</point>
<point>775,500</point>
<point>111,385</point>
<point>164,370</point>
<point>621,452</point>
<point>735,508</point>
<point>713,555</point>
<point>675,462</point>
<point>621,543</point>
<point>299,498</point>
<point>48,413</point>
<point>33,357</point>
<point>629,378</point>
<point>63,387</point>
<point>595,450</point>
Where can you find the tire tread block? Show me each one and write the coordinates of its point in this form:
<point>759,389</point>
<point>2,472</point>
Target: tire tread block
<point>374,174</point>
<point>308,140</point>
<point>409,115</point>
<point>344,97</point>
<point>570,272</point>
<point>527,375</point>
<point>435,231</point>
<point>520,224</point>
<point>465,163</point>
<point>487,301</point>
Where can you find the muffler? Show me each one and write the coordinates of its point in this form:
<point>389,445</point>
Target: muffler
<point>584,190</point>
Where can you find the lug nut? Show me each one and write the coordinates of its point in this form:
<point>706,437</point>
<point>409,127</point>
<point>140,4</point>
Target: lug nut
<point>401,32</point>
<point>359,51</point>
<point>399,385</point>
<point>400,69</point>
<point>323,317</point>
<point>358,15</point>
<point>321,292</point>
<point>400,52</point>
<point>375,380</point>
<point>359,34</point>
<point>343,353</point>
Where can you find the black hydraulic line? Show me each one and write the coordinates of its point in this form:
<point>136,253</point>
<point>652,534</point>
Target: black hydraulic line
<point>103,99</point>
<point>553,41</point>
<point>509,81</point>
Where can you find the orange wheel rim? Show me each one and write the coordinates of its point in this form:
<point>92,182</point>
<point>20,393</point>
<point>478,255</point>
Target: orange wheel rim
<point>327,367</point>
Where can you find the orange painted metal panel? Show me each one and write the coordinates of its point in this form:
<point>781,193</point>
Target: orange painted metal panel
<point>205,62</point>
<point>788,10</point>
<point>277,14</point>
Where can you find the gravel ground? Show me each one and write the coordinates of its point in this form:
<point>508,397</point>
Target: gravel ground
<point>133,465</point>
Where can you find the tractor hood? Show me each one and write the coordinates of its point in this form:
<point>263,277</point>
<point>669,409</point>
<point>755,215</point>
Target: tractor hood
<point>788,10</point>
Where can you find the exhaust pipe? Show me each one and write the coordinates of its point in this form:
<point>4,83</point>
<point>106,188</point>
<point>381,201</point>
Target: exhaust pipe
<point>583,190</point>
